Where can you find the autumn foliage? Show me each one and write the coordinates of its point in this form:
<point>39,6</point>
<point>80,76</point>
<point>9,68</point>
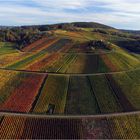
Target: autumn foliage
<point>22,97</point>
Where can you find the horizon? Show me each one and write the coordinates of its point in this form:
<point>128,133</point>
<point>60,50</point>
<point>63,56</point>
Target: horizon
<point>122,14</point>
<point>65,23</point>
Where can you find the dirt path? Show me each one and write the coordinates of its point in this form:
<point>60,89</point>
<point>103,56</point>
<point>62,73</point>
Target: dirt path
<point>69,74</point>
<point>70,116</point>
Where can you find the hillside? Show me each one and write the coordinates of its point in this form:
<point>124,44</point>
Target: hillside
<point>135,32</point>
<point>69,81</point>
<point>25,35</point>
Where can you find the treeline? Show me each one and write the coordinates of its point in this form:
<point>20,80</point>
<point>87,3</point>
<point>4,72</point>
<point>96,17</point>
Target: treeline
<point>99,44</point>
<point>117,33</point>
<point>21,36</point>
<point>131,45</point>
<point>25,35</point>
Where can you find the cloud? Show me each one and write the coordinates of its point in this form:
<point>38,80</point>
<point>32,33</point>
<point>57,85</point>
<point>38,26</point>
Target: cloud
<point>62,4</point>
<point>117,13</point>
<point>132,6</point>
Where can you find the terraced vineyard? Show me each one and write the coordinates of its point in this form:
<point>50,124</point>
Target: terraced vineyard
<point>70,85</point>
<point>28,127</point>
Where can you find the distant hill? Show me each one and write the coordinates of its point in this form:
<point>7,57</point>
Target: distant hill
<point>91,25</point>
<point>63,25</point>
<point>73,24</point>
<point>5,27</point>
<point>136,32</point>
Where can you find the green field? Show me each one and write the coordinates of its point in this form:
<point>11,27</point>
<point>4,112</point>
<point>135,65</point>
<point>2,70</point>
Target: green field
<point>7,48</point>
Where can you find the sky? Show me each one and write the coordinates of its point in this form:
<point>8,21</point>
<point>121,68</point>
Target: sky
<point>122,14</point>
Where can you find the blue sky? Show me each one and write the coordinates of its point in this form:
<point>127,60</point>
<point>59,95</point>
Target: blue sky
<point>123,14</point>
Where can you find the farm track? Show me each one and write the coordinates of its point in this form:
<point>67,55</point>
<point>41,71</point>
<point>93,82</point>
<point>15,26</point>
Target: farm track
<point>96,53</point>
<point>78,53</point>
<point>70,116</point>
<point>69,74</point>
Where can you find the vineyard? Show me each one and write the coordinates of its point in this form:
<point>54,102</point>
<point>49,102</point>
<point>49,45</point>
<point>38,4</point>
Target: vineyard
<point>73,84</point>
<point>97,94</point>
<point>28,127</point>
